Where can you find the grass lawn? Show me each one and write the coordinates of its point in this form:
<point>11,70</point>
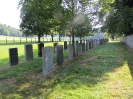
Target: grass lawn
<point>103,73</point>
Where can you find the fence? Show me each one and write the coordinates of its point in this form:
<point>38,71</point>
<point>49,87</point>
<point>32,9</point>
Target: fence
<point>128,40</point>
<point>26,40</point>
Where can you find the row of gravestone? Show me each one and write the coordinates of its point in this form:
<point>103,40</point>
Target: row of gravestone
<point>82,46</point>
<point>47,55</point>
<point>47,52</point>
<point>28,49</point>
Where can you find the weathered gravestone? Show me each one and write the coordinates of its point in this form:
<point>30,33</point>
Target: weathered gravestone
<point>13,56</point>
<point>59,55</point>
<point>87,45</point>
<point>47,60</point>
<point>94,43</point>
<point>83,47</point>
<point>70,52</point>
<point>28,52</point>
<point>55,47</point>
<point>65,45</point>
<point>78,49</point>
<point>91,43</point>
<point>40,46</point>
<point>81,42</point>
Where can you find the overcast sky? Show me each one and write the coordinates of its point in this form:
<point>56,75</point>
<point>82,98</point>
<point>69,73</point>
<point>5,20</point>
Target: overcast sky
<point>9,14</point>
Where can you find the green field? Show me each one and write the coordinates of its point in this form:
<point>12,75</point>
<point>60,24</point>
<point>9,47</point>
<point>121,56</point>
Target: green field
<point>103,73</point>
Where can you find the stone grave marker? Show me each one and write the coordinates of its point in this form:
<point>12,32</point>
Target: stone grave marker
<point>83,47</point>
<point>47,60</point>
<point>59,55</point>
<point>55,45</point>
<point>28,52</point>
<point>13,56</point>
<point>40,46</point>
<point>65,45</point>
<point>70,52</point>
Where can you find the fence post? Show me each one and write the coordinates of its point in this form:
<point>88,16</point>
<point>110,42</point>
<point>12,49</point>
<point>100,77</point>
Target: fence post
<point>26,39</point>
<point>14,40</point>
<point>6,40</point>
<point>31,40</point>
<point>20,40</point>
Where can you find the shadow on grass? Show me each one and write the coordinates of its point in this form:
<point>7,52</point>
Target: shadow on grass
<point>77,74</point>
<point>129,57</point>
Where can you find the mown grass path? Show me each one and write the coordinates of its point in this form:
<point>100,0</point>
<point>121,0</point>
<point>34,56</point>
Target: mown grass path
<point>103,73</point>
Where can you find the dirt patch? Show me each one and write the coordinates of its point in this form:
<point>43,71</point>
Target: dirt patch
<point>89,60</point>
<point>10,81</point>
<point>35,76</point>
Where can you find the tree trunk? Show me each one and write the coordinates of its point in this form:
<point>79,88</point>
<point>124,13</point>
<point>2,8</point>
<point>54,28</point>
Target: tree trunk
<point>59,38</point>
<point>39,40</point>
<point>52,37</point>
<point>72,32</point>
<point>80,37</point>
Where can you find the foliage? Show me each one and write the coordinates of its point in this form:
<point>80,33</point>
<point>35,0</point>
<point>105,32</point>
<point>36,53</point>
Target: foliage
<point>9,31</point>
<point>36,16</point>
<point>120,19</point>
<point>83,28</point>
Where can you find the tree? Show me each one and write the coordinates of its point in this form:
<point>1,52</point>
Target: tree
<point>83,28</point>
<point>120,19</point>
<point>36,16</point>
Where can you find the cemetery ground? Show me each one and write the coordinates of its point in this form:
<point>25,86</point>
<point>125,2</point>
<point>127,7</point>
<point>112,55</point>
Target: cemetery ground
<point>102,73</point>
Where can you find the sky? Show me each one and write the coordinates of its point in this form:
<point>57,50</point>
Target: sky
<point>9,14</point>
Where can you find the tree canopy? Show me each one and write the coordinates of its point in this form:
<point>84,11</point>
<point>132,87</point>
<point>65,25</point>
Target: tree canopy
<point>119,20</point>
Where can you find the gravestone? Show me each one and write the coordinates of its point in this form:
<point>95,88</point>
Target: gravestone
<point>87,45</point>
<point>65,45</point>
<point>40,46</point>
<point>59,55</point>
<point>13,56</point>
<point>83,47</point>
<point>91,43</point>
<point>70,52</point>
<point>81,42</point>
<point>78,49</point>
<point>28,52</point>
<point>94,43</point>
<point>47,60</point>
<point>55,45</point>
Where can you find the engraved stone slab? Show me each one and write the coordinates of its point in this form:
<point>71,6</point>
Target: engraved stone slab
<point>47,60</point>
<point>28,52</point>
<point>83,47</point>
<point>70,52</point>
<point>13,56</point>
<point>65,45</point>
<point>78,49</point>
<point>55,45</point>
<point>40,46</point>
<point>87,45</point>
<point>59,55</point>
